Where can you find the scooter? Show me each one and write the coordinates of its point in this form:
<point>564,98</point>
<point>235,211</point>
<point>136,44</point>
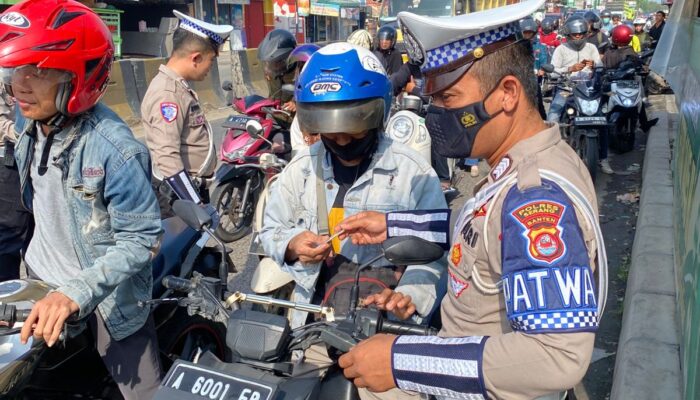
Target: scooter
<point>407,126</point>
<point>240,179</point>
<point>263,369</point>
<point>582,121</point>
<point>36,371</point>
<point>625,91</point>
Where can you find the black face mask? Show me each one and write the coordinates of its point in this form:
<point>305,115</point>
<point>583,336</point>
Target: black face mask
<point>355,150</point>
<point>454,130</point>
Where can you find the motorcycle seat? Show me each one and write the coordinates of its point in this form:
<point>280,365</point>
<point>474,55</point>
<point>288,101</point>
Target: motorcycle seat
<point>175,244</point>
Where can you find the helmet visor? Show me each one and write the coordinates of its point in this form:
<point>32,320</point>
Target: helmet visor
<point>274,69</point>
<point>31,78</point>
<point>350,117</point>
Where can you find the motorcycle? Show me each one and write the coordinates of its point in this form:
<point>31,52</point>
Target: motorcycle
<point>36,371</point>
<point>263,345</point>
<point>241,177</point>
<point>625,92</point>
<point>582,121</point>
<point>407,126</point>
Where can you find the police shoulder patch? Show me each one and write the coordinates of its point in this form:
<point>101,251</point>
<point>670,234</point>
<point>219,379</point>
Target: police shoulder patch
<point>540,221</point>
<point>169,111</point>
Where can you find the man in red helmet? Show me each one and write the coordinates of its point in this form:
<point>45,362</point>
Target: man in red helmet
<point>87,181</point>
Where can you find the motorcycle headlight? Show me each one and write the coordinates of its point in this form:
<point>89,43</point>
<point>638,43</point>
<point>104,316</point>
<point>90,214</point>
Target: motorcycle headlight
<point>241,152</point>
<point>588,107</point>
<point>570,111</point>
<point>422,134</point>
<point>401,129</point>
<point>627,102</point>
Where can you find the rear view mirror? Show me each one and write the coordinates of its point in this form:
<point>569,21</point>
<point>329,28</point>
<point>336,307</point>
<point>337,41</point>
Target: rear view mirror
<point>194,216</point>
<point>227,86</point>
<point>548,68</point>
<point>411,250</point>
<point>254,129</point>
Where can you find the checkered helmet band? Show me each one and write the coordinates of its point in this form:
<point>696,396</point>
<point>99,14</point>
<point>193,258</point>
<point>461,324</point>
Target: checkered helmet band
<point>196,29</point>
<point>448,53</point>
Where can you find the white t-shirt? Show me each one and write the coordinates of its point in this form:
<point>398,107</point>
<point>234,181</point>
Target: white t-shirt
<point>564,57</point>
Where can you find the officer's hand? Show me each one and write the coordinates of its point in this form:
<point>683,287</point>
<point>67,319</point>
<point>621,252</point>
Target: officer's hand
<point>47,318</point>
<point>396,303</point>
<point>367,227</point>
<point>308,248</point>
<point>369,363</point>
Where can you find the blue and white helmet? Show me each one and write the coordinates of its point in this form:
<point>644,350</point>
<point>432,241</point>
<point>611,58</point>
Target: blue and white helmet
<point>342,88</point>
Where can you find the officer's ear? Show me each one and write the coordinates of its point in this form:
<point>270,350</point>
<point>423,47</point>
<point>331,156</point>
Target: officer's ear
<point>197,57</point>
<point>511,88</point>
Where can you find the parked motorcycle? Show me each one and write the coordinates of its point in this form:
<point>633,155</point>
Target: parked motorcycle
<point>240,178</point>
<point>262,344</point>
<point>582,121</point>
<point>36,371</point>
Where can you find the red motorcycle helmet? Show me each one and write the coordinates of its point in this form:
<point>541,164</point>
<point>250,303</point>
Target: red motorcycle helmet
<point>60,35</point>
<point>621,35</point>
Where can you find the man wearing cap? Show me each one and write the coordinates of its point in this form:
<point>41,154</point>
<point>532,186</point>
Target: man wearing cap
<point>521,312</point>
<point>178,135</point>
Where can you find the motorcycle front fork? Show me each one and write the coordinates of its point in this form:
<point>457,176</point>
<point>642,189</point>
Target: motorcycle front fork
<point>244,199</point>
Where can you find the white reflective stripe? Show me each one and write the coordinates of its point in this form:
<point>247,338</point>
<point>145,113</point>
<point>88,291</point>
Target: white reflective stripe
<point>438,340</point>
<point>436,365</point>
<point>438,391</point>
<point>435,237</point>
<point>393,216</point>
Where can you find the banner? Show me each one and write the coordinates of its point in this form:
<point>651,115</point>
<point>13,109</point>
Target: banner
<point>304,8</point>
<point>350,13</point>
<point>328,10</point>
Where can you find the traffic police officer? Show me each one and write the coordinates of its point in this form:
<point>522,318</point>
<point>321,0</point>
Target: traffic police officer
<point>177,132</point>
<point>522,307</point>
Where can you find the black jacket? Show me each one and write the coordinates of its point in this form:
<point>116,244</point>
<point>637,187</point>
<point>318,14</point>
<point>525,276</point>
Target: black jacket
<point>400,79</point>
<point>655,31</point>
<point>391,60</point>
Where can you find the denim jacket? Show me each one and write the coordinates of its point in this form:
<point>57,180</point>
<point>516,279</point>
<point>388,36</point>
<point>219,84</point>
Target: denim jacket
<point>115,216</point>
<point>397,179</point>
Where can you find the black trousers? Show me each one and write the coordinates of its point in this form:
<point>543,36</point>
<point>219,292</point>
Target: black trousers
<point>16,223</point>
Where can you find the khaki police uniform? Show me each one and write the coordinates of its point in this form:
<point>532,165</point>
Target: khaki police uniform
<point>512,361</point>
<point>177,132</point>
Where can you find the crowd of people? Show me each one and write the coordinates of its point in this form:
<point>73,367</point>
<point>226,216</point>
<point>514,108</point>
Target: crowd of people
<point>82,200</point>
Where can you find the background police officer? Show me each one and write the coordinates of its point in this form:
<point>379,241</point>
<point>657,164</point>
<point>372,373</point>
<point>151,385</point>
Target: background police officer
<point>178,135</point>
<point>521,309</point>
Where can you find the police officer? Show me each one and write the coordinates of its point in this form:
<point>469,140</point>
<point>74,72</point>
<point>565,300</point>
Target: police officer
<point>522,308</point>
<point>178,135</point>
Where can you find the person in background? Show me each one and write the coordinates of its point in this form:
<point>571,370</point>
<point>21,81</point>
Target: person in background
<point>15,221</point>
<point>273,53</point>
<point>178,134</point>
<point>549,36</point>
<point>539,52</point>
<point>642,36</point>
<point>296,61</point>
<point>616,20</point>
<point>362,38</point>
<point>607,26</point>
<point>595,36</point>
<point>386,49</point>
<point>658,27</point>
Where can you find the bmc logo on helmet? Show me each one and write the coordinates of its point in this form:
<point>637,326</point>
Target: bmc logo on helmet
<point>325,87</point>
<point>15,19</point>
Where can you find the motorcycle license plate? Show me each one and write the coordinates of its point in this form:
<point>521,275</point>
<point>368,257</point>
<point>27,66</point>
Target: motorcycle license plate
<point>200,382</point>
<point>590,121</point>
<point>237,122</point>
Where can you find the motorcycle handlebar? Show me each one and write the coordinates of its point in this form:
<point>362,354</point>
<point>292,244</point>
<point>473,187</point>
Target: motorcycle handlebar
<point>178,284</point>
<point>400,328</point>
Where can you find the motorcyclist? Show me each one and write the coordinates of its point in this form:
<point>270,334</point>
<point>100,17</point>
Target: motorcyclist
<point>621,37</point>
<point>386,49</point>
<point>549,36</point>
<point>642,36</point>
<point>273,52</point>
<point>528,28</point>
<point>296,61</point>
<point>596,36</point>
<point>87,181</point>
<point>606,17</point>
<point>354,168</point>
<point>576,57</point>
